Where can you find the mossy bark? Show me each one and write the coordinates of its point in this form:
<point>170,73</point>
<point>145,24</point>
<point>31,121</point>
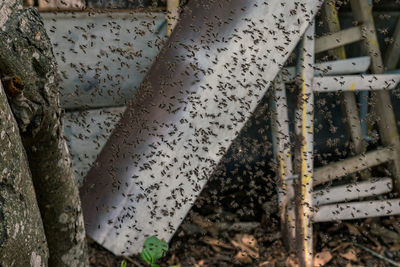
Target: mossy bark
<point>22,238</point>
<point>26,55</point>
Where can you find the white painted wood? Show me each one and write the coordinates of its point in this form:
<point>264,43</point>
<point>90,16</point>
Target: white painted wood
<point>131,219</point>
<point>305,120</point>
<point>86,133</point>
<point>348,166</point>
<point>342,66</point>
<point>392,55</point>
<point>355,82</point>
<point>61,4</point>
<point>338,39</point>
<point>103,57</point>
<point>357,210</point>
<point>336,67</point>
<point>283,157</point>
<point>344,193</point>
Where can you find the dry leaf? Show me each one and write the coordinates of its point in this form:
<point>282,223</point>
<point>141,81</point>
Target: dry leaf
<point>322,258</point>
<point>249,241</point>
<point>37,36</point>
<point>353,229</point>
<point>351,265</point>
<point>291,263</point>
<point>266,264</point>
<point>395,247</point>
<point>246,243</point>
<point>215,242</point>
<point>342,246</point>
<point>350,255</point>
<point>243,258</point>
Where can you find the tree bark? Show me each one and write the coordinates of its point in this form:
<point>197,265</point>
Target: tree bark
<point>22,238</point>
<point>28,65</point>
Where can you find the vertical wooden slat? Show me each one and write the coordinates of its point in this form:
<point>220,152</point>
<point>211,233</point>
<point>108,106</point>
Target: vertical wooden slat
<point>172,14</point>
<point>393,51</point>
<point>304,114</point>
<point>382,107</point>
<point>349,104</point>
<point>282,151</point>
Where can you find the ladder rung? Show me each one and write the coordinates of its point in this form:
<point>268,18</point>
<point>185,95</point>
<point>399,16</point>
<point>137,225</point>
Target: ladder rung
<point>353,65</point>
<point>338,39</point>
<point>355,82</point>
<point>335,67</point>
<point>351,165</point>
<point>348,192</point>
<point>357,210</point>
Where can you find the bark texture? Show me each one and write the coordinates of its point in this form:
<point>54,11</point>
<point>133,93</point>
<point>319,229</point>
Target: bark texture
<point>22,238</point>
<point>29,69</point>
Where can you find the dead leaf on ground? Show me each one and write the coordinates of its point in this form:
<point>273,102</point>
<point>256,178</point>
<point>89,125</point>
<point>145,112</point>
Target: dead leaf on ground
<point>246,243</point>
<point>395,247</point>
<point>350,255</point>
<point>243,258</point>
<point>291,263</point>
<point>266,264</point>
<point>215,242</point>
<point>351,265</point>
<point>322,258</point>
<point>342,246</point>
<point>353,229</point>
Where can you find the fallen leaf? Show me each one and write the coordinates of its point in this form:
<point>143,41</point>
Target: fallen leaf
<point>353,229</point>
<point>291,263</point>
<point>351,265</point>
<point>249,240</point>
<point>342,246</point>
<point>322,258</point>
<point>265,264</point>
<point>243,258</point>
<point>37,36</point>
<point>246,243</point>
<point>350,255</point>
<point>395,247</point>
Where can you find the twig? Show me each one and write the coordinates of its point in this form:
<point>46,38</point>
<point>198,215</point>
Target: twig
<point>377,255</point>
<point>215,242</point>
<point>135,263</point>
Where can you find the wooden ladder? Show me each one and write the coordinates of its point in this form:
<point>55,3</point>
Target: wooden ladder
<point>300,205</point>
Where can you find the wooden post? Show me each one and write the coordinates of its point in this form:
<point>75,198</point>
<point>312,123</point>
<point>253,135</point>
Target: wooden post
<point>393,51</point>
<point>304,125</point>
<point>172,15</point>
<point>283,156</point>
<point>382,107</point>
<point>349,104</point>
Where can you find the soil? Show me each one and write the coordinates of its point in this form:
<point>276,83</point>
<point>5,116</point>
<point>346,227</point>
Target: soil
<point>202,241</point>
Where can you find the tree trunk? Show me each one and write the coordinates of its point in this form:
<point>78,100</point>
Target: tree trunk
<point>22,239</point>
<point>27,63</point>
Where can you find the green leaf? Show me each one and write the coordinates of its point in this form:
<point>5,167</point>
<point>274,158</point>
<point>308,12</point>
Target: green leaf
<point>145,256</point>
<point>153,250</point>
<point>123,263</point>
